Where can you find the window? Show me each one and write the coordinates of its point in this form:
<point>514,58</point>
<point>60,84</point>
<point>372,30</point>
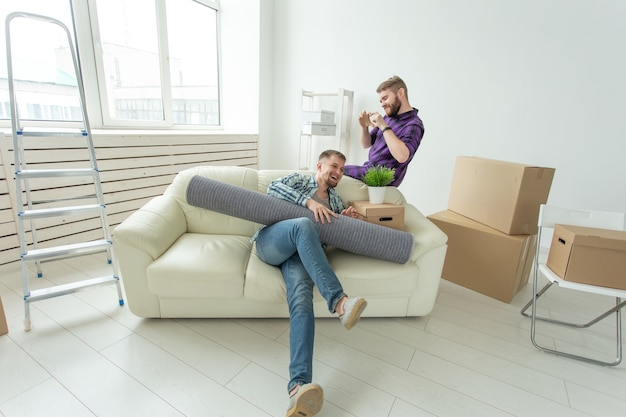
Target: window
<point>155,62</point>
<point>46,88</point>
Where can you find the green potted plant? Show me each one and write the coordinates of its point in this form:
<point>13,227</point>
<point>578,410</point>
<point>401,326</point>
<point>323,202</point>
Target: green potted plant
<point>377,178</point>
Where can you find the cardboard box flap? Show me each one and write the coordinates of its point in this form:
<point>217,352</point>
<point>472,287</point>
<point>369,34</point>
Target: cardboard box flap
<point>591,237</point>
<point>365,208</point>
<point>458,219</point>
<point>383,211</point>
<point>503,163</point>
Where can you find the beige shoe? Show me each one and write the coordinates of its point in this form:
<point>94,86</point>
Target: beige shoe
<point>306,402</point>
<point>352,309</point>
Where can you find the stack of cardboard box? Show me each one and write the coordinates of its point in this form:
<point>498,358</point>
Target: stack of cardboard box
<point>491,223</point>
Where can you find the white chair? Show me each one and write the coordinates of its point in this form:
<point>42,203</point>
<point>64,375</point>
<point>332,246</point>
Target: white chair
<point>548,217</point>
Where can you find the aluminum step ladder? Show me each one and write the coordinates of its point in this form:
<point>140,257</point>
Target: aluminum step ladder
<point>56,211</point>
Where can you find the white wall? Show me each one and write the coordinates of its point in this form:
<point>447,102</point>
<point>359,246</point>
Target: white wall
<point>241,60</point>
<point>535,81</point>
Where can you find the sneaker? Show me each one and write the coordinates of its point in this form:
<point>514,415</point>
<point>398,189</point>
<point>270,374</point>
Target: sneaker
<point>352,309</point>
<point>306,402</point>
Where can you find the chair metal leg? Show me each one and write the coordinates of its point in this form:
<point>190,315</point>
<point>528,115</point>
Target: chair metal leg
<point>619,303</point>
<point>618,346</point>
<point>535,297</point>
<point>567,323</point>
<point>618,324</point>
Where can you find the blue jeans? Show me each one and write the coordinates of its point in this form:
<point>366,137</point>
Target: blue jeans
<point>295,246</point>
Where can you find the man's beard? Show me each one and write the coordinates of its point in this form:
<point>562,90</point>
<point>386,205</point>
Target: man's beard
<point>394,108</point>
<point>331,183</point>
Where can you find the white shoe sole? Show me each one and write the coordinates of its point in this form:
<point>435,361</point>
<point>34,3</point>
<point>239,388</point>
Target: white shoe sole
<point>309,401</point>
<point>355,314</point>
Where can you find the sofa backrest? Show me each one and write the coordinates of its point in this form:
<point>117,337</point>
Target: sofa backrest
<point>200,220</point>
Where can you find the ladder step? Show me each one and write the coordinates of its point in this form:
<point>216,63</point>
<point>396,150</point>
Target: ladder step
<point>56,173</point>
<point>70,288</point>
<point>47,132</point>
<point>56,200</point>
<point>72,249</point>
<point>61,211</point>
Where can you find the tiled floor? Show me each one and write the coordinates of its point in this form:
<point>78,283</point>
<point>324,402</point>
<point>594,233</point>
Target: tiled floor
<point>86,356</point>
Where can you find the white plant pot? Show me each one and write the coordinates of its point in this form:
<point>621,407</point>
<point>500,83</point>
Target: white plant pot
<point>376,194</point>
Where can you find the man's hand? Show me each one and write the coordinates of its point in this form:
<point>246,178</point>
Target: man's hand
<point>364,119</point>
<point>376,119</point>
<point>320,211</point>
<point>350,212</point>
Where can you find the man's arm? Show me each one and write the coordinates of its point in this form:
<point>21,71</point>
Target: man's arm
<point>397,148</point>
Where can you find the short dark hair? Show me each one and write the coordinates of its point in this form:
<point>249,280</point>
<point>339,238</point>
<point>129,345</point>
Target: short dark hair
<point>331,152</point>
<point>394,84</point>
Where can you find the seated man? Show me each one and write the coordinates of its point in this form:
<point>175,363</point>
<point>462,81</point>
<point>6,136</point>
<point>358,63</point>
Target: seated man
<point>395,137</point>
<point>295,246</point>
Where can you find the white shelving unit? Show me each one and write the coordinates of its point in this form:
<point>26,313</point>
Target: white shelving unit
<point>339,102</point>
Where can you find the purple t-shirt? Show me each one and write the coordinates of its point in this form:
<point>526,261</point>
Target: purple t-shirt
<point>408,127</point>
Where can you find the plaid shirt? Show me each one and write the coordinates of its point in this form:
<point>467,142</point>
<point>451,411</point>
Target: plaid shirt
<point>298,188</point>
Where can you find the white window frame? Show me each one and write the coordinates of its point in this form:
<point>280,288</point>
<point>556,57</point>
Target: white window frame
<point>90,56</point>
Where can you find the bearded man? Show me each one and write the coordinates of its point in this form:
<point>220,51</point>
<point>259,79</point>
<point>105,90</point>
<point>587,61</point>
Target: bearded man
<point>392,139</point>
<point>294,245</point>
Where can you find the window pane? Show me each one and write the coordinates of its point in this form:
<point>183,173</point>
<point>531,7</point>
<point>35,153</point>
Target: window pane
<point>192,38</point>
<point>128,36</point>
<point>43,71</point>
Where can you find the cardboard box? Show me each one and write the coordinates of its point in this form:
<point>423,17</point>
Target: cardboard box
<point>484,259</point>
<point>319,129</point>
<point>385,214</point>
<point>4,328</point>
<point>319,116</point>
<point>589,255</point>
<point>502,195</point>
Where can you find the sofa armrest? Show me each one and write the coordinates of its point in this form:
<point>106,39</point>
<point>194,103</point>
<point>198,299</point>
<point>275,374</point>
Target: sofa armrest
<point>154,227</point>
<point>426,235</point>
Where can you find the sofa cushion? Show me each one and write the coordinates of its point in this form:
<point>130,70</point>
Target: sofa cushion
<point>359,275</point>
<point>210,222</point>
<point>364,276</point>
<point>201,266</point>
<point>264,282</point>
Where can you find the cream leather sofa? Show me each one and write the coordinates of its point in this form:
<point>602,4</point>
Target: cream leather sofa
<point>177,260</point>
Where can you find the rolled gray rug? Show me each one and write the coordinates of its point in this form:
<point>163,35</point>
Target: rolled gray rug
<point>352,235</point>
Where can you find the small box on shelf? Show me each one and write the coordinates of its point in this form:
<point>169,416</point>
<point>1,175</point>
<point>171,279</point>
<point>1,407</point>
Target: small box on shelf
<point>318,116</point>
<point>320,129</point>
